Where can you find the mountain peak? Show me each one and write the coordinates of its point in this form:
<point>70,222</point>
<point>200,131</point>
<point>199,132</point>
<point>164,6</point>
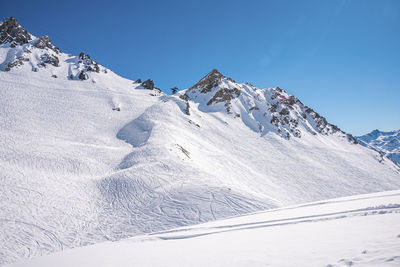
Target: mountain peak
<point>211,80</point>
<point>214,73</point>
<point>12,32</point>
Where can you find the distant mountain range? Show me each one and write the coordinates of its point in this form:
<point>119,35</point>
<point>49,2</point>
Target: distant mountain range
<point>88,156</point>
<point>386,143</point>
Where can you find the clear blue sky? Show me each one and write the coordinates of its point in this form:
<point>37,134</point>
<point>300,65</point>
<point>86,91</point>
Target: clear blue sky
<point>340,57</point>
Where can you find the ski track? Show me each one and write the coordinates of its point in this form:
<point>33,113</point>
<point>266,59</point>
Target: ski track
<point>375,244</point>
<point>289,221</point>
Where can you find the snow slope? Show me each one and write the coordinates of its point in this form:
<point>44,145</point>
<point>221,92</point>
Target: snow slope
<point>362,230</point>
<point>88,156</point>
<point>386,143</point>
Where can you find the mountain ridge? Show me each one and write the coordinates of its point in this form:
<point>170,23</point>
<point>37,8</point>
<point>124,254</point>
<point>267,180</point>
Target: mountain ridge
<point>105,158</point>
<point>386,143</point>
<point>276,107</point>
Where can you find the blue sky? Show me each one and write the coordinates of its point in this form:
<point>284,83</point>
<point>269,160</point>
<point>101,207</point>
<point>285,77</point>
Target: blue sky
<point>340,57</point>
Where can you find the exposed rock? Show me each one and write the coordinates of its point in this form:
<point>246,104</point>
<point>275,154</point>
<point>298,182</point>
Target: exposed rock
<point>12,32</point>
<point>187,109</point>
<point>284,111</point>
<point>351,139</point>
<point>195,124</point>
<point>88,63</point>
<point>254,108</point>
<point>224,95</point>
<point>50,59</point>
<point>209,81</point>
<point>18,62</point>
<point>184,151</point>
<point>44,42</point>
<point>148,84</point>
<point>184,97</point>
<point>83,76</point>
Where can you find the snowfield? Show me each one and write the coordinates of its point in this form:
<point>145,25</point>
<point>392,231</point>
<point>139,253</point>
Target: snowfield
<point>362,231</point>
<point>87,156</point>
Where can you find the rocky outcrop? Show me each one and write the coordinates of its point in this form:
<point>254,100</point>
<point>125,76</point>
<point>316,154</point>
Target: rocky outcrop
<point>18,62</point>
<point>260,108</point>
<point>287,112</point>
<point>44,42</point>
<point>208,82</point>
<point>224,95</point>
<point>12,32</point>
<point>215,83</point>
<point>50,59</point>
<point>45,53</point>
<point>148,84</point>
<point>83,76</point>
<point>88,63</point>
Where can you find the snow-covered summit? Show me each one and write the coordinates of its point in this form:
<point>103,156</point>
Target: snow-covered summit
<point>387,143</point>
<point>262,110</point>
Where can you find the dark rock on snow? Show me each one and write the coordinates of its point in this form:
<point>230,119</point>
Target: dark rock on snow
<point>12,32</point>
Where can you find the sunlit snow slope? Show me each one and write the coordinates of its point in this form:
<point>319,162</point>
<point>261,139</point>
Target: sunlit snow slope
<point>362,230</point>
<point>87,156</point>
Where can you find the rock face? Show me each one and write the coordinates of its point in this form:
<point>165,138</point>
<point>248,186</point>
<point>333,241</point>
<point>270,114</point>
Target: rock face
<point>41,53</point>
<point>386,143</point>
<point>82,76</point>
<point>50,59</point>
<point>208,82</point>
<point>224,95</point>
<point>262,110</point>
<point>44,42</point>
<point>148,84</point>
<point>18,62</point>
<point>12,32</point>
<point>87,64</point>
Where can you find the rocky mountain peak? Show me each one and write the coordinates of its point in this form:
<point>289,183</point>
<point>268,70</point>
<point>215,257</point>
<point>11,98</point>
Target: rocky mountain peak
<point>262,110</point>
<point>208,82</point>
<point>12,32</point>
<point>214,73</point>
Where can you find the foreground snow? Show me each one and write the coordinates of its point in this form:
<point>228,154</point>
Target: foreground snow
<point>362,230</point>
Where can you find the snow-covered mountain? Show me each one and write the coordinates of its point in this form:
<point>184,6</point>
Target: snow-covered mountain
<point>386,143</point>
<point>88,156</point>
<point>262,110</point>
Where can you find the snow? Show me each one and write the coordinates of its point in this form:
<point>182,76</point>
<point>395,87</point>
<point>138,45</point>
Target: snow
<point>75,172</point>
<point>362,230</point>
<point>387,143</point>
